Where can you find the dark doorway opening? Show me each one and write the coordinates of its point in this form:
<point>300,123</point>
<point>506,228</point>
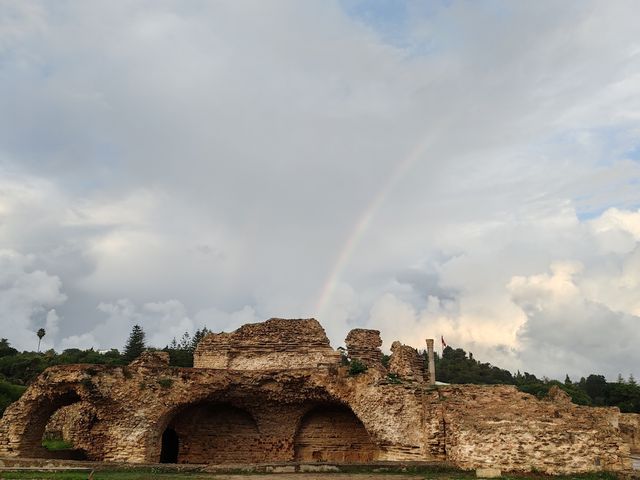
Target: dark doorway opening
<point>170,445</point>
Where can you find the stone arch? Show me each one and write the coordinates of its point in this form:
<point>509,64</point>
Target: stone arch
<point>209,432</point>
<point>333,433</point>
<point>33,417</point>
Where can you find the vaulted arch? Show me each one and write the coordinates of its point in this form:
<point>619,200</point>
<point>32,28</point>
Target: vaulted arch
<point>210,432</point>
<point>333,433</point>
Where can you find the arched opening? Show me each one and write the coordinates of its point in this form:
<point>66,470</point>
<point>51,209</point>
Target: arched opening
<point>333,433</point>
<point>170,446</point>
<point>67,431</point>
<point>211,433</point>
<point>49,421</point>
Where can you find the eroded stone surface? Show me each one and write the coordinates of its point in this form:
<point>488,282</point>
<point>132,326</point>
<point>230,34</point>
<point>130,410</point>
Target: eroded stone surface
<point>630,429</point>
<point>275,344</point>
<point>277,394</point>
<point>364,345</point>
<point>407,363</point>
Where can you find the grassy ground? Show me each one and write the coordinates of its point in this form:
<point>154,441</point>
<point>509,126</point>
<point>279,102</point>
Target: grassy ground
<point>152,474</point>
<point>56,445</point>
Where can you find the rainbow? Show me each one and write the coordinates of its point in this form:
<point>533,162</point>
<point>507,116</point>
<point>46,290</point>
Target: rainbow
<point>361,226</point>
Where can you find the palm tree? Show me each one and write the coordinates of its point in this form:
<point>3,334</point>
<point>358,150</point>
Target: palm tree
<point>41,333</point>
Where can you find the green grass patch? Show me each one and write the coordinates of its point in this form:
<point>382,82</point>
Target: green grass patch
<point>438,473</point>
<point>55,445</point>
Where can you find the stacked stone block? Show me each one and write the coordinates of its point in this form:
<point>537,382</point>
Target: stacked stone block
<point>364,345</point>
<point>407,363</point>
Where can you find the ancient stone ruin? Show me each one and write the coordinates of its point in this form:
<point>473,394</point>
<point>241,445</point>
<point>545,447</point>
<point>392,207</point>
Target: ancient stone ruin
<point>277,392</point>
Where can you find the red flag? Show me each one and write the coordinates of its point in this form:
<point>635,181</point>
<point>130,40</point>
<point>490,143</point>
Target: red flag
<point>444,344</point>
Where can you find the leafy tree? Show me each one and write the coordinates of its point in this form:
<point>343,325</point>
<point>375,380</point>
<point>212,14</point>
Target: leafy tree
<point>456,367</point>
<point>181,352</point>
<point>185,341</point>
<point>135,345</point>
<point>6,349</point>
<point>596,386</point>
<point>41,333</point>
<point>9,393</point>
<point>199,335</point>
<point>632,380</point>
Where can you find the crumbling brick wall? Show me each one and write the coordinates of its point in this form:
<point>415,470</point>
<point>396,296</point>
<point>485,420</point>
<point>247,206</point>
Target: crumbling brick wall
<point>467,425</point>
<point>364,345</point>
<point>274,344</point>
<point>630,429</point>
<point>498,426</point>
<point>217,433</point>
<point>407,363</point>
<point>333,434</point>
<point>71,423</point>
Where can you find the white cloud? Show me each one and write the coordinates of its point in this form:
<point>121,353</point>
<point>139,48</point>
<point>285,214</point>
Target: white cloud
<point>27,300</point>
<point>189,164</point>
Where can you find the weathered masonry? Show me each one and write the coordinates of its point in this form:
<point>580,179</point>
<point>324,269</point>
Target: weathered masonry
<point>277,392</point>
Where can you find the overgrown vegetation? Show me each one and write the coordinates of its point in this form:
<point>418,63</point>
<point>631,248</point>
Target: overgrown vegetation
<point>18,369</point>
<point>393,378</point>
<point>456,366</point>
<point>56,444</point>
<point>9,393</point>
<point>165,382</point>
<point>356,367</point>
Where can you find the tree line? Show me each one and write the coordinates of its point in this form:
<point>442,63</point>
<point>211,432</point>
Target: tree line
<point>18,369</point>
<point>456,366</point>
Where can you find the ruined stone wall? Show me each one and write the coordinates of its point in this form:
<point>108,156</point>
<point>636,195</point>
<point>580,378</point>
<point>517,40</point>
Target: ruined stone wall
<point>274,344</point>
<point>260,413</point>
<point>498,426</point>
<point>70,424</point>
<point>364,345</point>
<point>217,433</point>
<point>333,434</point>
<point>407,363</point>
<point>630,429</point>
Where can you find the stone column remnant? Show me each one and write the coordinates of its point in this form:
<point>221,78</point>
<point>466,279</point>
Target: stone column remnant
<point>432,362</point>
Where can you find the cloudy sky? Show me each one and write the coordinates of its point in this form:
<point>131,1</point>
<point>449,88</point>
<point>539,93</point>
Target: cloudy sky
<point>465,169</point>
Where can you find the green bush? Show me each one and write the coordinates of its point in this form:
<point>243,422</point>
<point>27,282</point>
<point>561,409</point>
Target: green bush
<point>356,367</point>
<point>393,378</point>
<point>9,393</point>
<point>165,382</point>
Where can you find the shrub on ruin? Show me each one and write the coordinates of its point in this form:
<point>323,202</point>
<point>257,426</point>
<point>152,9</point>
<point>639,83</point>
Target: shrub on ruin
<point>344,358</point>
<point>385,360</point>
<point>356,367</point>
<point>393,378</point>
<point>165,382</point>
